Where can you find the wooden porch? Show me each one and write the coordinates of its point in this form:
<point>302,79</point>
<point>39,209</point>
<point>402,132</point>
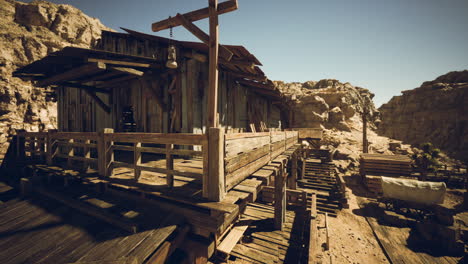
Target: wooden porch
<point>208,180</point>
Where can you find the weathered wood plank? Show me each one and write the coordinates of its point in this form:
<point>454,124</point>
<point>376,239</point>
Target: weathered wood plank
<point>89,68</point>
<point>232,179</point>
<point>236,162</point>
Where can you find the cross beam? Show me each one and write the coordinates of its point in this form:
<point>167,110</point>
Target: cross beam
<point>200,34</point>
<point>223,8</point>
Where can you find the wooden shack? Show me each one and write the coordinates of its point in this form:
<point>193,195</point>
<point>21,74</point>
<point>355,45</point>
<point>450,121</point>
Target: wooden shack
<point>201,140</point>
<point>122,83</point>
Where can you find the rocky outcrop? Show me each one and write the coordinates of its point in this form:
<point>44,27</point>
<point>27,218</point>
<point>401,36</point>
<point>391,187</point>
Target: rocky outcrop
<point>328,103</point>
<point>337,108</point>
<point>28,32</point>
<point>436,112</point>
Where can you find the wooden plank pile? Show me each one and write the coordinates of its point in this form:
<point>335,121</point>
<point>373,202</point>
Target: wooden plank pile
<point>385,165</point>
<point>374,184</point>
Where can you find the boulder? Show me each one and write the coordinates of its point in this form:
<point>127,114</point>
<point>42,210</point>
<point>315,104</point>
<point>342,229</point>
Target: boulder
<point>30,31</point>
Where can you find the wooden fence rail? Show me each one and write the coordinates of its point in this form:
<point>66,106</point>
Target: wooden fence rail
<point>246,153</point>
<point>227,158</point>
<point>134,142</point>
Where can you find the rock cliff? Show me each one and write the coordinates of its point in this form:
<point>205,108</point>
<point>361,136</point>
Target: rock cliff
<point>28,32</point>
<point>436,112</point>
<point>337,108</point>
<point>328,103</point>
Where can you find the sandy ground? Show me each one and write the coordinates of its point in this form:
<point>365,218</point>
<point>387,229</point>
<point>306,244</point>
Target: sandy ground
<point>351,238</point>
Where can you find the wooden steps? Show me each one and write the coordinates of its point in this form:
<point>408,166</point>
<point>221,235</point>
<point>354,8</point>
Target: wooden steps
<point>261,243</point>
<point>319,178</point>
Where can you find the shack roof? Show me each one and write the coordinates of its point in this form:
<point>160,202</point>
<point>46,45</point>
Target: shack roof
<point>73,66</point>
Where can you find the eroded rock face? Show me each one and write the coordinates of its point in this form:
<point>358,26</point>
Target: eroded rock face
<point>28,32</point>
<point>436,112</point>
<point>328,103</point>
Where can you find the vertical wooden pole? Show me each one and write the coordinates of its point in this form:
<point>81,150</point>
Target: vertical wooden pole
<point>292,183</point>
<point>169,166</point>
<point>215,183</point>
<point>303,168</point>
<point>100,154</point>
<point>365,148</point>
<point>313,240</point>
<point>42,149</point>
<point>51,146</point>
<point>25,187</point>
<point>71,153</point>
<point>87,155</point>
<point>137,159</point>
<point>280,199</point>
<point>104,159</point>
<point>206,168</point>
<point>213,65</point>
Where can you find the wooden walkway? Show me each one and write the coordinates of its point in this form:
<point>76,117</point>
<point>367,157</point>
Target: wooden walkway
<point>261,243</point>
<point>40,230</point>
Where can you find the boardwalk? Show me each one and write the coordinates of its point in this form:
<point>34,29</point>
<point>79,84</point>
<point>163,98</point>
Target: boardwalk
<point>40,230</point>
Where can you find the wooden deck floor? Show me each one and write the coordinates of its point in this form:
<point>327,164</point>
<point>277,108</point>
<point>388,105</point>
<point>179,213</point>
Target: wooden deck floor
<point>263,244</point>
<point>40,230</point>
<point>183,186</point>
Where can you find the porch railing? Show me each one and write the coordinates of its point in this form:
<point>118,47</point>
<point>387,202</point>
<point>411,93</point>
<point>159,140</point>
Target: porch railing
<point>227,159</point>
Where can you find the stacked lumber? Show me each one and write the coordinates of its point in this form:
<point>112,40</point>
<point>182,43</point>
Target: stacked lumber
<point>385,165</point>
<point>374,184</point>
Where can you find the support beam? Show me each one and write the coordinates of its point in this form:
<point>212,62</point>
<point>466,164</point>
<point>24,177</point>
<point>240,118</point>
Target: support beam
<point>128,71</point>
<point>90,68</point>
<point>257,85</point>
<point>117,81</point>
<point>84,87</point>
<point>98,101</point>
<point>258,78</point>
<point>200,34</point>
<point>280,200</point>
<point>214,186</point>
<point>365,147</point>
<point>313,233</point>
<point>222,8</point>
<point>124,63</point>
<point>213,65</point>
<point>240,63</point>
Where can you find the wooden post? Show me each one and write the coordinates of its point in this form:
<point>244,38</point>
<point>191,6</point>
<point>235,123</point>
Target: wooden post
<point>280,199</point>
<point>327,235</point>
<point>42,149</point>
<point>169,166</point>
<point>213,64</point>
<point>87,155</point>
<point>71,153</point>
<point>303,168</point>
<point>365,147</point>
<point>25,187</point>
<point>214,182</point>
<point>51,146</point>
<point>292,180</point>
<point>137,159</point>
<point>313,242</point>
<point>104,159</point>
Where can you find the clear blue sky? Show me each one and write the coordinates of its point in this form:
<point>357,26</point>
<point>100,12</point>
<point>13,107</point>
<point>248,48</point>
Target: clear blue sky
<point>384,45</point>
